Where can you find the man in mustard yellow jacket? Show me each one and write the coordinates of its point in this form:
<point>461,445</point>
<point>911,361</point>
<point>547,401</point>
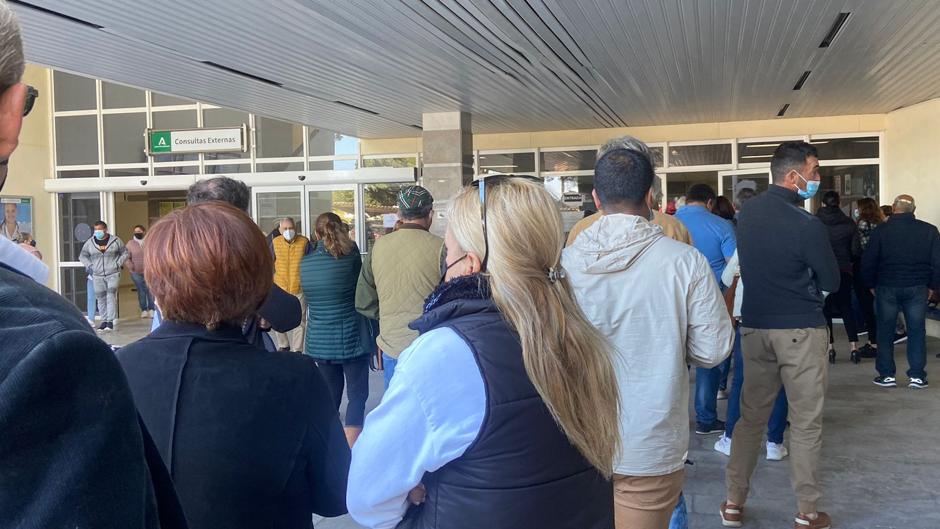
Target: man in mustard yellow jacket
<point>289,249</point>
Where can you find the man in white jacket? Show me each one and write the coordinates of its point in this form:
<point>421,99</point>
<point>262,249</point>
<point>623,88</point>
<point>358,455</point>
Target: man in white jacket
<point>658,303</point>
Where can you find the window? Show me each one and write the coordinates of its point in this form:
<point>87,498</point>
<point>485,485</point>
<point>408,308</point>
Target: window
<point>223,117</point>
<point>321,142</point>
<point>657,154</point>
<point>333,165</point>
<point>678,184</point>
<point>574,196</point>
<point>693,155</point>
<point>73,92</point>
<point>846,148</point>
<point>78,212</point>
<point>162,100</point>
<point>407,161</point>
<point>278,139</point>
<point>381,210</point>
<point>341,202</point>
<point>758,151</point>
<point>124,138</point>
<point>276,205</point>
<point>176,170</point>
<point>82,173</point>
<point>174,120</point>
<point>76,140</point>
<point>279,166</point>
<point>852,182</point>
<point>228,168</point>
<point>555,161</point>
<point>120,96</point>
<point>516,162</point>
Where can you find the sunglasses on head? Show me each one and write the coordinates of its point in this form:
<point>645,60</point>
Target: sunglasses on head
<point>493,180</point>
<point>31,95</point>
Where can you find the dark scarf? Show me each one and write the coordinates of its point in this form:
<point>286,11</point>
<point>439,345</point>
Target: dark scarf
<point>474,286</point>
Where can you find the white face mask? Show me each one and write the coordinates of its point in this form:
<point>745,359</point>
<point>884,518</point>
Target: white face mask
<point>289,234</point>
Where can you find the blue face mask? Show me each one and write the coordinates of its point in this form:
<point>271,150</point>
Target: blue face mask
<point>812,186</point>
<point>99,234</point>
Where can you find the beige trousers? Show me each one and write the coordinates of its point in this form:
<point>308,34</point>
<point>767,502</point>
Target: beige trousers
<point>646,502</point>
<point>293,340</point>
<point>795,358</point>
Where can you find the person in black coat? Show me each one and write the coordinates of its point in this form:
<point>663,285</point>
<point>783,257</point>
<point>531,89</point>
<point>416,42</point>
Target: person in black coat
<point>73,452</point>
<point>251,437</point>
<point>846,245</point>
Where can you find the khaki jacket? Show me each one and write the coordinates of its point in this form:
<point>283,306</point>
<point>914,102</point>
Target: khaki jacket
<point>402,269</point>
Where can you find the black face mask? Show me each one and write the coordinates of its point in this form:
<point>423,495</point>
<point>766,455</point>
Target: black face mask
<point>138,236</point>
<point>445,267</point>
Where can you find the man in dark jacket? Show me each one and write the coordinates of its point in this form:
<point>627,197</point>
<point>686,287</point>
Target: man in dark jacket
<point>786,257</point>
<point>72,450</point>
<point>902,265</point>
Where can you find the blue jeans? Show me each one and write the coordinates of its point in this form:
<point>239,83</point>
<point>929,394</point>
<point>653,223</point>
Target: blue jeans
<point>706,394</point>
<point>388,365</point>
<point>90,288</point>
<point>778,417</point>
<point>724,368</point>
<point>144,298</point>
<point>680,516</point>
<point>912,301</point>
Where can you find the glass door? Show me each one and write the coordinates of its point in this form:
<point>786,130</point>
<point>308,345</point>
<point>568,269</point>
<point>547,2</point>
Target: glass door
<point>733,182</point>
<point>341,200</point>
<point>77,213</point>
<point>271,204</point>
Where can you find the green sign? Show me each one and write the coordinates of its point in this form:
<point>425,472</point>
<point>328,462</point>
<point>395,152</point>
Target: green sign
<point>197,140</point>
<point>160,141</point>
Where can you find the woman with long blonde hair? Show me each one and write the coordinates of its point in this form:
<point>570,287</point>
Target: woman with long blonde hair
<point>504,412</point>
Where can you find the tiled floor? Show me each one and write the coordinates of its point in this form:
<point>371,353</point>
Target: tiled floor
<point>879,466</point>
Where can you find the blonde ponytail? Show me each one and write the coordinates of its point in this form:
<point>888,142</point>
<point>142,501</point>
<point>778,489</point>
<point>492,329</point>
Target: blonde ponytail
<point>568,360</point>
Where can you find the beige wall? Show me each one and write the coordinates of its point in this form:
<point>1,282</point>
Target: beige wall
<point>32,163</point>
<point>912,157</point>
<point>692,132</point>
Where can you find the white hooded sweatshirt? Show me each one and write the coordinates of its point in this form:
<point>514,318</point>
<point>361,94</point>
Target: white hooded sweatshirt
<point>659,305</point>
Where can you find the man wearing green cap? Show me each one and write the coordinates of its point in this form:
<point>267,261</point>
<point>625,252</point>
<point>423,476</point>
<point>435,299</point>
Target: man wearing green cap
<point>400,272</point>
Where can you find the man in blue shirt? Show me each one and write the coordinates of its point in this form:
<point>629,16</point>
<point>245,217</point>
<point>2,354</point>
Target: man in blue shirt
<point>714,237</point>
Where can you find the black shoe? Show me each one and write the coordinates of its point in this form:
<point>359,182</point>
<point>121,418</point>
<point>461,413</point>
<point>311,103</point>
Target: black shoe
<point>832,356</point>
<point>918,383</point>
<point>886,382</point>
<point>103,326</point>
<point>855,357</point>
<point>868,351</point>
<point>900,337</point>
<point>705,429</point>
<point>111,325</point>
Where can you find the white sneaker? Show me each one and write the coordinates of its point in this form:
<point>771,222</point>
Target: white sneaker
<point>150,314</point>
<point>723,445</point>
<point>144,314</point>
<point>776,452</point>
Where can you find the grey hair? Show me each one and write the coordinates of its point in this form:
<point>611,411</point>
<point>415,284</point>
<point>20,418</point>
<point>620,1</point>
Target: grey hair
<point>904,204</point>
<point>12,63</point>
<point>222,189</point>
<point>624,142</point>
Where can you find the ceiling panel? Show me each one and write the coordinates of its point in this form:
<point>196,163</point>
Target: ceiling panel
<point>370,68</point>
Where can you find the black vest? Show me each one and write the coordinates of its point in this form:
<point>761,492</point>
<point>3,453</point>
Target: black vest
<point>521,471</point>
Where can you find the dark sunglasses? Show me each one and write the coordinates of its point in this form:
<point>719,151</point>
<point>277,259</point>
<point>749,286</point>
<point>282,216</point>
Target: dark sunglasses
<point>31,95</point>
<point>493,180</point>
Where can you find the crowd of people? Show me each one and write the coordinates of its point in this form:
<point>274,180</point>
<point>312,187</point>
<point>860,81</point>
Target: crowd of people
<point>531,381</point>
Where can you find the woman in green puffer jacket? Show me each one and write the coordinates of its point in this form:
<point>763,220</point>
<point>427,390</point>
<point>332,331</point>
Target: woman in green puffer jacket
<point>337,336</point>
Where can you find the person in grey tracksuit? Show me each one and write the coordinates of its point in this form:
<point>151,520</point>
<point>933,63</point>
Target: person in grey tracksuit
<point>103,256</point>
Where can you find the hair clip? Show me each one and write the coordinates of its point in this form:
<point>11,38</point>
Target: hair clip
<point>554,274</point>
